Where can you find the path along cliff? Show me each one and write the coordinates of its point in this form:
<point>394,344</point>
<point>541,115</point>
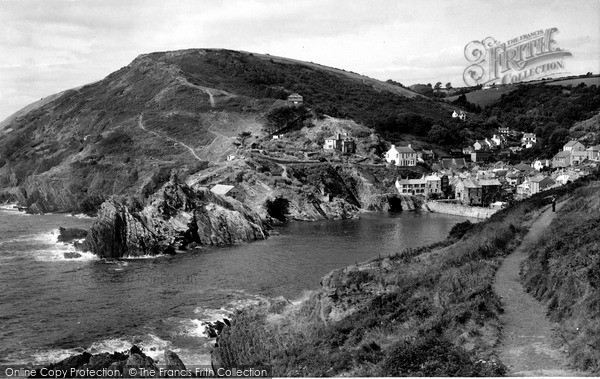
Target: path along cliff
<point>527,347</point>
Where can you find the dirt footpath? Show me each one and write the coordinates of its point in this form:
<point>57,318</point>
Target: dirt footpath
<point>526,346</point>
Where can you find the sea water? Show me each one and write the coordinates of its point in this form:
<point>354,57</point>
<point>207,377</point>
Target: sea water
<point>53,305</point>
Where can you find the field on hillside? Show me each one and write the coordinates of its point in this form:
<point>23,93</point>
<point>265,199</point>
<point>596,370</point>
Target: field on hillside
<point>485,97</point>
<point>576,81</point>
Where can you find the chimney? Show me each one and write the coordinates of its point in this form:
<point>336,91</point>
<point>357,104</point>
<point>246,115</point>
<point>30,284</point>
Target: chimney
<point>409,146</point>
<point>393,147</point>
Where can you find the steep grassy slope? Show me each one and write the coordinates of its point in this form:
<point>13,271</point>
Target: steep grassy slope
<point>564,272</point>
<point>169,111</point>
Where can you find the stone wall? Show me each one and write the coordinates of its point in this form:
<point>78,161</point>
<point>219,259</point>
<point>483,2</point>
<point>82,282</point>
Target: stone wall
<point>458,209</point>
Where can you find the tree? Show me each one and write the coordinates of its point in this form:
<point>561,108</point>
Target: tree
<point>288,118</point>
<point>448,86</point>
<point>438,85</point>
<point>243,138</point>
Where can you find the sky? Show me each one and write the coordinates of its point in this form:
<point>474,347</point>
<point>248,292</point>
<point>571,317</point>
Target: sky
<point>48,46</point>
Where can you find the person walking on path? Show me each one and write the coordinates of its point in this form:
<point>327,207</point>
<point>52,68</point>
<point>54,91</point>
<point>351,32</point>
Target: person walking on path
<point>553,203</point>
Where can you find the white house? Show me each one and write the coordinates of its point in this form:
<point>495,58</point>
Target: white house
<point>222,189</point>
<point>538,164</point>
<point>461,115</point>
<point>434,184</point>
<point>528,140</point>
<point>499,140</point>
<point>412,186</point>
<point>401,156</point>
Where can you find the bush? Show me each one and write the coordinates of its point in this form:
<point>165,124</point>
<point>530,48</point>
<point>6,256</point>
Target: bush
<point>459,229</point>
<point>430,355</point>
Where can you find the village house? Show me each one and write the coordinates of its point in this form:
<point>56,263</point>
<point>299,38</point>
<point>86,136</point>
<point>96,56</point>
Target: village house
<point>566,176</point>
<point>468,150</point>
<point>434,184</point>
<point>578,156</point>
<point>539,164</point>
<point>224,190</point>
<point>504,130</point>
<point>445,186</point>
<point>481,145</point>
<point>401,155</point>
<point>524,167</point>
<point>593,153</point>
<point>539,183</point>
<point>573,153</point>
<point>340,142</point>
<point>481,156</point>
<point>295,99</point>
<point>491,190</point>
<point>498,140</point>
<point>455,164</point>
<point>514,178</point>
<point>523,190</point>
<point>561,159</point>
<point>468,191</point>
<point>461,115</point>
<point>428,154</point>
<point>528,140</point>
<point>412,186</point>
<point>573,146</point>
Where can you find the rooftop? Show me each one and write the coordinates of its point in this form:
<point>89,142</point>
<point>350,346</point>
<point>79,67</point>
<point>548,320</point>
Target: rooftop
<point>221,189</point>
<point>562,154</point>
<point>403,149</point>
<point>572,143</point>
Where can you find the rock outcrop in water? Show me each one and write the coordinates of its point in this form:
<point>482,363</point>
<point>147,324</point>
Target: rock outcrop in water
<point>176,217</point>
<point>128,364</point>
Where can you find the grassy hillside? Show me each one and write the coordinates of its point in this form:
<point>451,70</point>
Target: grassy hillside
<point>564,273</point>
<point>171,111</point>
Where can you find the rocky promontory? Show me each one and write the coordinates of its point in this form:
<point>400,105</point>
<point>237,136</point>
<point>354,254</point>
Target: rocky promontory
<point>128,364</point>
<point>176,217</point>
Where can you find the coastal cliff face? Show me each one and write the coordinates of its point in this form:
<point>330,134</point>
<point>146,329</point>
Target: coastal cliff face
<point>176,217</point>
<point>311,192</point>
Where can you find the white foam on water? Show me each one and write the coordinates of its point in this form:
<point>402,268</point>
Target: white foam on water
<point>63,256</point>
<point>131,257</point>
<point>56,251</point>
<point>190,327</point>
<point>193,357</point>
<point>81,216</point>
<point>12,208</point>
<point>51,356</point>
<point>151,345</point>
<point>212,315</point>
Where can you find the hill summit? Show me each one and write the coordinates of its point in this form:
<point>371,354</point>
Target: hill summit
<point>170,111</point>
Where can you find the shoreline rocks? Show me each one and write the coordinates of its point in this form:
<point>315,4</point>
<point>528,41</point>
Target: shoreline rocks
<point>132,363</point>
<point>176,217</point>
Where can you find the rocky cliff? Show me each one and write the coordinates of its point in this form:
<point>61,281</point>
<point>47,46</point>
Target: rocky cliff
<point>175,217</point>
